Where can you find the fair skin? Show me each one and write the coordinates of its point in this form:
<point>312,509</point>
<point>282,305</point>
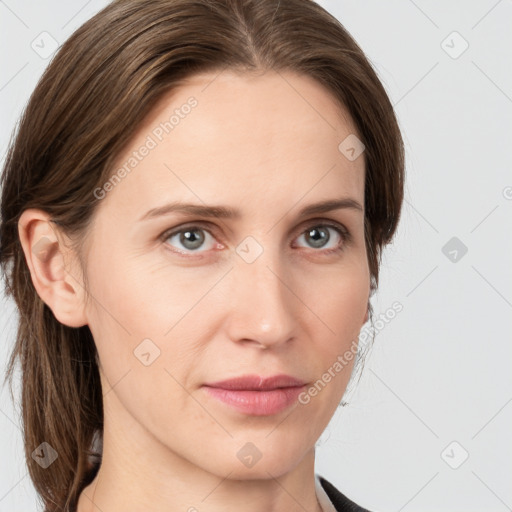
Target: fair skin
<point>266,145</point>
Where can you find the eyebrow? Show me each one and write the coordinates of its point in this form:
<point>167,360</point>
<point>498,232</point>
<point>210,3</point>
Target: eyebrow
<point>225,212</point>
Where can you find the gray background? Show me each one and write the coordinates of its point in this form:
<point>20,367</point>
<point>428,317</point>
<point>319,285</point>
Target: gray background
<point>440,370</point>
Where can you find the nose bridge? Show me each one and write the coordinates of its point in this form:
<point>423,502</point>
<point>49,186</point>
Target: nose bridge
<point>264,310</point>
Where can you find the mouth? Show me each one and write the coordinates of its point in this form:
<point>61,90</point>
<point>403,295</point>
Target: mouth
<point>255,395</point>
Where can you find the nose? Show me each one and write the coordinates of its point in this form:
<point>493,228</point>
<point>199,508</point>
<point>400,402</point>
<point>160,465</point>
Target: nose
<point>264,309</point>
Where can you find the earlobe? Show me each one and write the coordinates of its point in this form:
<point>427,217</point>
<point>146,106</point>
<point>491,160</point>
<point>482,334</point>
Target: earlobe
<point>48,260</point>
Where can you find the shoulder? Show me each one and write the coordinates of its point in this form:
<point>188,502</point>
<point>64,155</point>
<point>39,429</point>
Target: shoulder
<point>339,500</point>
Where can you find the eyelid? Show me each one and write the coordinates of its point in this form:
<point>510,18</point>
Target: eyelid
<point>207,226</point>
<point>336,224</point>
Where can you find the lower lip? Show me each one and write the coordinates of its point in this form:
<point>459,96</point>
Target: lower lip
<point>257,403</point>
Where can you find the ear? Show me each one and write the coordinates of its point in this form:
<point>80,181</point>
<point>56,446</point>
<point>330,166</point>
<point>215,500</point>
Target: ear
<point>50,262</point>
<point>367,314</point>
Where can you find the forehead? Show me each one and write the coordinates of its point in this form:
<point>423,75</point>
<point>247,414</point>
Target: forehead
<point>249,137</point>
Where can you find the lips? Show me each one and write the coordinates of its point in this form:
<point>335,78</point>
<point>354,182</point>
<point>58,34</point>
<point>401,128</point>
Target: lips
<point>257,383</point>
<point>255,395</point>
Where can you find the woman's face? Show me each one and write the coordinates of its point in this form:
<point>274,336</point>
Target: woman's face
<point>183,298</point>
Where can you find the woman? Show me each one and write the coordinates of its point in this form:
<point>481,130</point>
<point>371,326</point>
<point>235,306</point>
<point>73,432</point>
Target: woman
<point>194,209</point>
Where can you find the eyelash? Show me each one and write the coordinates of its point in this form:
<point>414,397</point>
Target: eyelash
<point>339,228</point>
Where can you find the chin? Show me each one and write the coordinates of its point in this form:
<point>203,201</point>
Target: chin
<point>260,471</point>
<point>257,458</point>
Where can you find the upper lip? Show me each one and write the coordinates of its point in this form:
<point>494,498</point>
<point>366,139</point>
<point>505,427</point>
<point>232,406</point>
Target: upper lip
<point>257,383</point>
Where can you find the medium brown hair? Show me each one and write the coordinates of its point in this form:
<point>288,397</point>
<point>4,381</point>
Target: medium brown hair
<point>86,107</point>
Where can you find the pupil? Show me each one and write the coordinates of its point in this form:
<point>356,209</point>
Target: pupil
<point>187,239</point>
<point>323,237</point>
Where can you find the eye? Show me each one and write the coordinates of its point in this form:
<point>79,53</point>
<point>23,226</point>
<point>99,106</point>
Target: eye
<point>318,236</point>
<point>191,238</point>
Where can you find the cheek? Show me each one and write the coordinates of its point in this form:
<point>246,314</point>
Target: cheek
<point>341,301</point>
<point>341,304</point>
<point>148,314</point>
<point>141,297</point>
